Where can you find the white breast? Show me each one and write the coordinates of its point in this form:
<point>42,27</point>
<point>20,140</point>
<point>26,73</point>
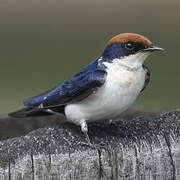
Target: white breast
<point>121,88</point>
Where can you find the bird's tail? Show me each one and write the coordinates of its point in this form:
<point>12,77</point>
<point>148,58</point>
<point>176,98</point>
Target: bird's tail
<point>29,112</point>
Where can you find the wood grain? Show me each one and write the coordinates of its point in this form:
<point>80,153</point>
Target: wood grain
<point>145,147</point>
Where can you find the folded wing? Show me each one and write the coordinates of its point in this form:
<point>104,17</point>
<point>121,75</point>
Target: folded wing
<point>75,89</point>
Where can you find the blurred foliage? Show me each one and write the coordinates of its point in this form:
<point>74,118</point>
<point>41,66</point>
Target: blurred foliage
<point>43,43</point>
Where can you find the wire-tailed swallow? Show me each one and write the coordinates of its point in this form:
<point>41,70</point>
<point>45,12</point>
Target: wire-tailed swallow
<point>103,89</point>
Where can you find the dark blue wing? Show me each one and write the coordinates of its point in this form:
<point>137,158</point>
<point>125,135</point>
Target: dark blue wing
<point>75,89</point>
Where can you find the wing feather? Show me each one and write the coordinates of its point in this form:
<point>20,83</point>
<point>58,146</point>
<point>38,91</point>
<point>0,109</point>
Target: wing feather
<point>75,89</point>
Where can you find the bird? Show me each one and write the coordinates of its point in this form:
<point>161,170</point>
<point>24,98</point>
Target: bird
<point>103,89</point>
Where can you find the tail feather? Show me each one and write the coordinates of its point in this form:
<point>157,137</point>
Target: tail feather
<point>29,112</point>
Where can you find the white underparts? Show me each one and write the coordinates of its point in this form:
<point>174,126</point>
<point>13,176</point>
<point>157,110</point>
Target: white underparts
<point>132,62</point>
<point>124,81</point>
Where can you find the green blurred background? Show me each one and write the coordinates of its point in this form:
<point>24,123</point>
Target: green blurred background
<point>44,42</point>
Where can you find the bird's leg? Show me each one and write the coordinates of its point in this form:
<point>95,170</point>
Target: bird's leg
<point>84,129</point>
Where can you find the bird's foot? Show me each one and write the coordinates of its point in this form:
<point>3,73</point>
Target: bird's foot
<point>98,146</point>
<point>84,129</point>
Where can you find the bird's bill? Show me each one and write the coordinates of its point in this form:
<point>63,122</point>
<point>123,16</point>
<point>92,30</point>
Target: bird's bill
<point>152,48</point>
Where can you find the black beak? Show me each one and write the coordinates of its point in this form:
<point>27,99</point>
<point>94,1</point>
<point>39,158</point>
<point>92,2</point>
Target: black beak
<point>152,48</point>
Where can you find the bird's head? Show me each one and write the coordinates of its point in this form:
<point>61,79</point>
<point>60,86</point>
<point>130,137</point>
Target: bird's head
<point>129,49</point>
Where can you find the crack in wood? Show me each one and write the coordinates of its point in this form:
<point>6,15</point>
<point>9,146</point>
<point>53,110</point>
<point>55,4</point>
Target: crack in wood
<point>49,164</point>
<point>137,161</point>
<point>170,155</point>
<point>100,164</point>
<point>32,167</point>
<point>9,170</point>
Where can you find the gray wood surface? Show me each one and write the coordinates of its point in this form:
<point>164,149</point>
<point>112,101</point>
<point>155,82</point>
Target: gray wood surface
<point>145,147</point>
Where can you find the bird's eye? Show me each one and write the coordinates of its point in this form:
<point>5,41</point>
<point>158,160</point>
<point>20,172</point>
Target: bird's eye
<point>129,46</point>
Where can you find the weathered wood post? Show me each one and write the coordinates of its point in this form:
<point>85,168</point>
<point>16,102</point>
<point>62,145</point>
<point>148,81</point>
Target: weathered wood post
<point>146,147</point>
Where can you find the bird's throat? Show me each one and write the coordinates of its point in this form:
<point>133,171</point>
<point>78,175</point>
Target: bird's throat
<point>131,62</point>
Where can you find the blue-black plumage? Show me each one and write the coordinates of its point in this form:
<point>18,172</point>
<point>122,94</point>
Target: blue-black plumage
<point>74,89</point>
